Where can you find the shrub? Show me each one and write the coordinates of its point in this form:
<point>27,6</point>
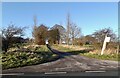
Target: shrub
<point>18,59</point>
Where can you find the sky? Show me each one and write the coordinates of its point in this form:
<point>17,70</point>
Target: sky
<point>89,16</point>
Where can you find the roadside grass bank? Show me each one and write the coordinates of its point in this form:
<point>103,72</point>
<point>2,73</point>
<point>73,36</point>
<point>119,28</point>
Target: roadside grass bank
<point>113,57</point>
<point>23,58</point>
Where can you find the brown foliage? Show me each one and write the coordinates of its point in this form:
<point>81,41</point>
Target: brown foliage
<point>40,34</point>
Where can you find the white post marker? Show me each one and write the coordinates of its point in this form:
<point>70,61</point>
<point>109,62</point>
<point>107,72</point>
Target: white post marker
<point>46,42</point>
<point>107,39</point>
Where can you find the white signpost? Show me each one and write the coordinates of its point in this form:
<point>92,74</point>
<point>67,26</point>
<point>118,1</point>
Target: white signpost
<point>107,39</point>
<point>46,42</point>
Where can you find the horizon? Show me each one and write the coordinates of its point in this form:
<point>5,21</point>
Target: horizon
<point>88,16</point>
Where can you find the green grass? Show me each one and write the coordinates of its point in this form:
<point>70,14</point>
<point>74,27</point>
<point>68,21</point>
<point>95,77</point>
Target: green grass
<point>61,48</point>
<point>113,57</point>
<point>43,48</point>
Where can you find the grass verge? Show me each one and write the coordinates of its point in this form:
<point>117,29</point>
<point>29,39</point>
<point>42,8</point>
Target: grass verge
<point>20,59</point>
<point>114,57</point>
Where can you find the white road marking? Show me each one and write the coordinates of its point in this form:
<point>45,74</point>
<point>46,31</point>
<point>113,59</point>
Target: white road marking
<point>55,72</point>
<point>63,68</point>
<point>95,71</point>
<point>13,74</point>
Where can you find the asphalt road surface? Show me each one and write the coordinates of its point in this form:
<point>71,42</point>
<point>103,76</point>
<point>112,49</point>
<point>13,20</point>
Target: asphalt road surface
<point>68,65</point>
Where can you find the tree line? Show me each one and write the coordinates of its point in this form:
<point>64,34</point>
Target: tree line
<point>57,34</point>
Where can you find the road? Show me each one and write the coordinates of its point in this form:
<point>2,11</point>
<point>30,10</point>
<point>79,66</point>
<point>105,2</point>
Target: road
<point>68,64</point>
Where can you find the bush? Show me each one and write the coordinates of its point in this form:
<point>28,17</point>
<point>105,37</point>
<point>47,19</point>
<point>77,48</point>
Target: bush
<point>97,45</point>
<point>112,45</point>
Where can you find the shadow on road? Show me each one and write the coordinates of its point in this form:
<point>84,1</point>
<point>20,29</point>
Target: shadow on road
<point>62,54</point>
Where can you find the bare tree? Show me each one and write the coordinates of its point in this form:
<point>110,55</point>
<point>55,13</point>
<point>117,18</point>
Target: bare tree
<point>68,29</point>
<point>35,20</point>
<point>8,34</point>
<point>75,32</point>
<point>100,34</point>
